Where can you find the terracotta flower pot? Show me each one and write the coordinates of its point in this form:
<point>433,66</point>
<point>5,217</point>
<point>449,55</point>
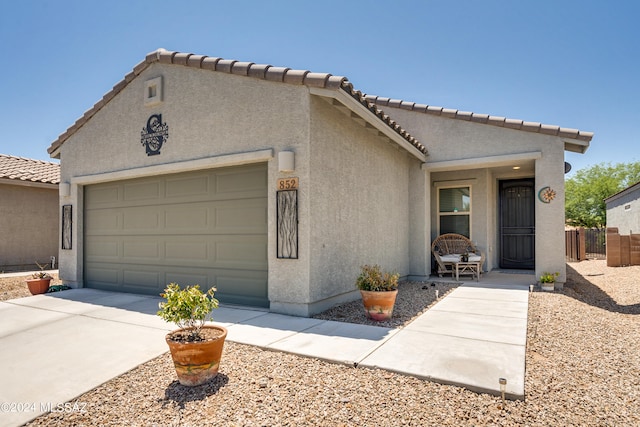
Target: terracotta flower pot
<point>197,362</point>
<point>379,305</point>
<point>38,286</point>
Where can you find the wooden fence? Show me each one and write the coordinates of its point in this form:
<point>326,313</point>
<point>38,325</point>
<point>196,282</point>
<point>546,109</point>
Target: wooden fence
<point>585,243</point>
<point>622,250</point>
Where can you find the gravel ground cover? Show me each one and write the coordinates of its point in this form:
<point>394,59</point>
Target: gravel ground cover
<point>583,369</point>
<point>16,287</point>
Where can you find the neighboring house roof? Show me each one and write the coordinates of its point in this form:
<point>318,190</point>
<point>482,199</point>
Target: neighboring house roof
<point>28,170</point>
<point>624,192</point>
<point>517,124</point>
<point>248,69</point>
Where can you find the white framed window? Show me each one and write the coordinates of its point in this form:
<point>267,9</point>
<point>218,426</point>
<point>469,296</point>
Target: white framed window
<point>454,210</point>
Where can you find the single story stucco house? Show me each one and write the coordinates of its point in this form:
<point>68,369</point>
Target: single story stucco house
<point>276,185</point>
<point>623,210</point>
<point>29,213</point>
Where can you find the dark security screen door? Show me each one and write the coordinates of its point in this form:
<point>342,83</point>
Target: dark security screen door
<point>517,224</point>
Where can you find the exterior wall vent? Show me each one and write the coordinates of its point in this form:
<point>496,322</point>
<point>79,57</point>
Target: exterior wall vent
<point>153,92</point>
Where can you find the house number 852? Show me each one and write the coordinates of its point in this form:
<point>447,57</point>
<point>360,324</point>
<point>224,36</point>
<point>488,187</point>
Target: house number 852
<point>287,183</point>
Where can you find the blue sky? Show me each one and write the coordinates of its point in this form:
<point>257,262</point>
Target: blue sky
<point>569,63</point>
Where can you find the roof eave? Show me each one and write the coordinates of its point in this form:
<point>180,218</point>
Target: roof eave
<point>576,146</point>
<point>360,110</point>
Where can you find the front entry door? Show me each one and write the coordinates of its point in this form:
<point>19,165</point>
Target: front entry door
<point>517,224</point>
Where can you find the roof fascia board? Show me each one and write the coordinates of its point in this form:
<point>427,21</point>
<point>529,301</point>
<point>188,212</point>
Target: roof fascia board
<point>366,115</point>
<point>624,192</point>
<point>480,162</point>
<point>28,183</point>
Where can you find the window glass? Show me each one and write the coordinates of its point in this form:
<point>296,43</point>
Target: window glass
<point>455,224</point>
<point>455,200</point>
<point>454,210</point>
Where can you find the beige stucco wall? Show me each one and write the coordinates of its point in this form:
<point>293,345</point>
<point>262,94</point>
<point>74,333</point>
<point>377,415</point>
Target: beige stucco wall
<point>214,120</point>
<point>473,147</point>
<point>358,193</point>
<point>626,220</point>
<point>353,184</point>
<point>29,219</point>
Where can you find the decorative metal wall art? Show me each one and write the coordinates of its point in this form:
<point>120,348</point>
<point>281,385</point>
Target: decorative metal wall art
<point>287,219</point>
<point>154,134</point>
<point>66,226</point>
<point>546,194</point>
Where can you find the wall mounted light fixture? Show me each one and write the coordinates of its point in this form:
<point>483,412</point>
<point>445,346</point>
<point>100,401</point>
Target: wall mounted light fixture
<point>64,188</point>
<point>286,161</point>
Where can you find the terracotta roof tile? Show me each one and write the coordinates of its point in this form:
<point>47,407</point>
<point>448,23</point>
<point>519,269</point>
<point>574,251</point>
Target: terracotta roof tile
<point>22,169</point>
<point>295,77</point>
<point>195,61</point>
<point>241,68</point>
<point>259,71</point>
<point>208,63</point>
<point>485,118</point>
<point>181,58</point>
<point>225,65</point>
<point>276,74</point>
<point>316,79</point>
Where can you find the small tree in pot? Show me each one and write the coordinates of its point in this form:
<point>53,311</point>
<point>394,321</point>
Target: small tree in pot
<point>195,348</point>
<point>378,290</point>
<point>40,281</point>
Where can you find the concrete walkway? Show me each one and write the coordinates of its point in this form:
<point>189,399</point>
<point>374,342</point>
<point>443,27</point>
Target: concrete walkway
<point>57,346</point>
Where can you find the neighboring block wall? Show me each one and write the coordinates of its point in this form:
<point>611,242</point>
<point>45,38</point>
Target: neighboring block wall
<point>622,250</point>
<point>29,226</point>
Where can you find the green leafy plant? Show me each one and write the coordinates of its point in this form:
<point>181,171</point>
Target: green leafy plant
<point>188,308</point>
<point>372,278</point>
<point>549,277</point>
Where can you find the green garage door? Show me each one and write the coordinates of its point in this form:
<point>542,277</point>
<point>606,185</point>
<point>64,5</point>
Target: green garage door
<point>206,227</point>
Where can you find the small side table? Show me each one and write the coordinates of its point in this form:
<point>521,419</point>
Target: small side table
<point>468,267</point>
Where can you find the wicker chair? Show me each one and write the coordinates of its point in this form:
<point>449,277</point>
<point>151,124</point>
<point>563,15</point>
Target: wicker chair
<point>447,249</point>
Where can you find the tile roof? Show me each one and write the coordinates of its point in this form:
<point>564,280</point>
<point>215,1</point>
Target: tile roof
<point>21,169</point>
<point>483,118</point>
<point>248,69</point>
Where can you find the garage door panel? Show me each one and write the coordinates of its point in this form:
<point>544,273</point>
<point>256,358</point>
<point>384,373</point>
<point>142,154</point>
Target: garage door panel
<point>241,288</point>
<point>190,279</point>
<point>138,191</point>
<point>188,187</point>
<point>241,217</point>
<point>138,219</point>
<point>241,184</point>
<point>105,194</point>
<point>102,249</point>
<point>151,278</point>
<point>249,254</point>
<point>194,219</point>
<point>142,250</point>
<point>103,221</point>
<point>206,227</point>
<point>102,274</point>
<point>192,251</point>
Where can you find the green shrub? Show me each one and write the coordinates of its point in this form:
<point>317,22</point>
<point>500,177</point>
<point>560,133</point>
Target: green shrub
<point>372,278</point>
<point>188,308</point>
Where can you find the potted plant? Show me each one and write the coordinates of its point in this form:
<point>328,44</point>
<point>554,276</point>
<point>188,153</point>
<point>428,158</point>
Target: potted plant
<point>39,282</point>
<point>195,348</point>
<point>548,280</point>
<point>378,290</point>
